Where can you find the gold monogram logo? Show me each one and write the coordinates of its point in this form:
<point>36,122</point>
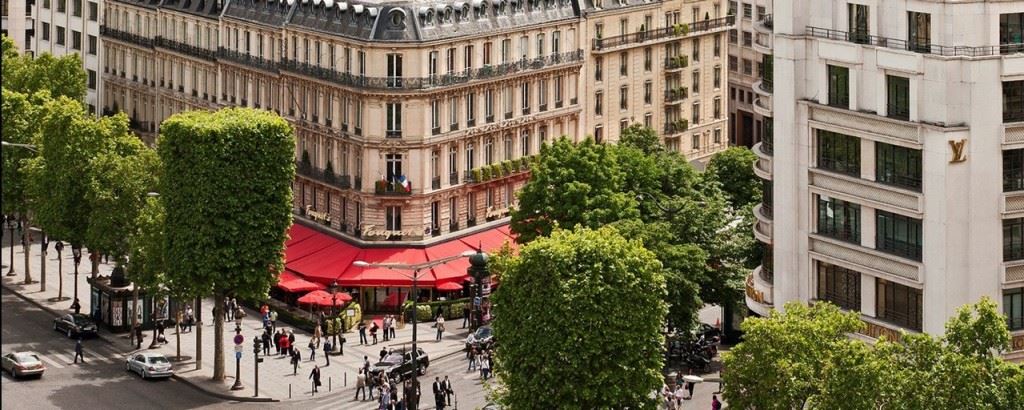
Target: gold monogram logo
<point>958,151</point>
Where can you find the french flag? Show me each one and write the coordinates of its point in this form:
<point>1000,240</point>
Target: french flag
<point>405,183</point>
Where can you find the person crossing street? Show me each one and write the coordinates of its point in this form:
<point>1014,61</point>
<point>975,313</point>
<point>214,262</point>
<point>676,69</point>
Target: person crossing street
<point>315,375</point>
<point>78,351</point>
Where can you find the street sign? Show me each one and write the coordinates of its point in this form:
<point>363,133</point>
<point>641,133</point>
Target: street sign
<point>238,349</point>
<point>238,355</point>
<point>239,339</point>
<point>476,301</point>
<point>258,360</point>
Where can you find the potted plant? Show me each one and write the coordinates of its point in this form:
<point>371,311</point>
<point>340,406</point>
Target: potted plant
<point>485,173</point>
<point>477,175</point>
<point>329,172</point>
<point>380,186</point>
<point>304,164</point>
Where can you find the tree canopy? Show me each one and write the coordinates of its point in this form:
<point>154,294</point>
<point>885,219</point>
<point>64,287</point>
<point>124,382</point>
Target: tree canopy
<point>806,357</point>
<point>226,190</point>
<point>734,170</point>
<point>582,307</point>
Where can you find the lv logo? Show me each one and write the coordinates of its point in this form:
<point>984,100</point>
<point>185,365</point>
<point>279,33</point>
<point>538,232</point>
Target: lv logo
<point>959,155</point>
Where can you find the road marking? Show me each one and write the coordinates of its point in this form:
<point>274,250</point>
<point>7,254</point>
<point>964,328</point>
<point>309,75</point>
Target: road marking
<point>63,358</point>
<point>51,362</point>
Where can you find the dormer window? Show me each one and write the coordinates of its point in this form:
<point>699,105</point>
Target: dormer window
<point>481,12</point>
<point>397,18</point>
<point>448,15</point>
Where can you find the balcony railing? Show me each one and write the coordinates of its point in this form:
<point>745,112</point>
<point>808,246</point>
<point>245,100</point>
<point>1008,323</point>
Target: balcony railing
<point>677,94</point>
<point>898,111</point>
<point>894,43</point>
<point>246,59</point>
<point>183,48</point>
<point>126,36</point>
<point>419,83</point>
<point>767,21</point>
<point>435,183</point>
<point>679,30</point>
<point>498,170</point>
<point>676,62</point>
<point>319,175</point>
<point>453,178</point>
<point>396,188</point>
<point>677,126</point>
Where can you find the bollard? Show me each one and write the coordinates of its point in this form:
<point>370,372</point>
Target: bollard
<point>346,379</point>
<point>289,390</point>
<point>328,384</point>
<point>312,389</point>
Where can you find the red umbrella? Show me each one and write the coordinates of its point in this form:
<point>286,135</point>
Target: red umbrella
<point>449,286</point>
<point>324,298</point>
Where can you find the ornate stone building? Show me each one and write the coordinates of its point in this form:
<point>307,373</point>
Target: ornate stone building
<point>418,119</point>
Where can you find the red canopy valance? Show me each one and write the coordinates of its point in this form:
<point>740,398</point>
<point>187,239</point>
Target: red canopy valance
<point>289,282</point>
<point>324,298</point>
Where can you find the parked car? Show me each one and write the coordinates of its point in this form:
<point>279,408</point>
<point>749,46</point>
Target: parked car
<point>22,364</point>
<point>149,364</point>
<point>399,365</point>
<point>483,338</point>
<point>74,325</point>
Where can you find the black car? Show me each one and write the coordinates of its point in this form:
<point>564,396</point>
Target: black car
<point>74,325</point>
<point>399,365</point>
<point>482,339</point>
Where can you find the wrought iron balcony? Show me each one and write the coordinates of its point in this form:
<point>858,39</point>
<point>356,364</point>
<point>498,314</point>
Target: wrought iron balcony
<point>394,188</point>
<point>675,95</point>
<point>183,48</point>
<point>679,30</point>
<point>420,83</point>
<point>677,62</point>
<point>435,183</point>
<point>246,59</point>
<point>677,126</point>
<point>126,36</point>
<point>319,175</point>
<point>915,46</point>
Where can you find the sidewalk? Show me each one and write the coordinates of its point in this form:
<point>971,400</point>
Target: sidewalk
<point>277,381</point>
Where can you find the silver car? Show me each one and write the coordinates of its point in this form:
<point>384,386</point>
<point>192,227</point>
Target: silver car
<point>21,364</point>
<point>149,364</point>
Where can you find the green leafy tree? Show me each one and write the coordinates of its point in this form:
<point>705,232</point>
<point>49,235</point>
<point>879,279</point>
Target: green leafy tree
<point>581,315</point>
<point>226,189</point>
<point>642,138</point>
<point>572,185</point>
<point>19,126</point>
<point>60,76</point>
<point>733,169</point>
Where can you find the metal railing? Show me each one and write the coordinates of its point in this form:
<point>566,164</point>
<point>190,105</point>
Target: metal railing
<point>900,248</point>
<point>676,94</point>
<point>677,126</point>
<point>319,175</point>
<point>898,111</point>
<point>246,59</point>
<point>767,21</point>
<point>419,83</point>
<point>915,46</point>
<point>680,30</point>
<point>435,183</point>
<point>393,188</point>
<point>676,62</point>
<point>186,49</point>
<point>126,36</point>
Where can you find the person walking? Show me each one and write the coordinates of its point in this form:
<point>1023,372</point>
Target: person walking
<point>78,350</point>
<point>189,318</point>
<point>229,310</point>
<point>446,386</point>
<point>273,319</point>
<point>291,341</point>
<point>76,306</point>
<point>315,375</point>
<point>160,331</point>
<point>394,396</point>
<point>387,326</point>
<point>392,327</point>
<point>276,338</point>
<point>360,385</point>
<point>285,347</point>
<point>295,363</point>
<point>485,368</point>
<point>373,332</point>
<point>438,393</point>
<point>689,389</point>
<point>472,359</point>
<point>383,354</point>
<point>715,404</point>
<point>327,353</point>
<point>440,326</point>
<point>312,350</point>
<point>362,332</point>
<point>266,342</point>
<point>679,396</point>
<point>138,337</point>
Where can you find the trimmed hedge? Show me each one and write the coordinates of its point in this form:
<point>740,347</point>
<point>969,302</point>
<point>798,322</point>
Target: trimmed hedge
<point>428,310</point>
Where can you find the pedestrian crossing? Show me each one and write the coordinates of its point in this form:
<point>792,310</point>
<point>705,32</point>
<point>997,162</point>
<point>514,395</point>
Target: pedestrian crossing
<point>96,354</point>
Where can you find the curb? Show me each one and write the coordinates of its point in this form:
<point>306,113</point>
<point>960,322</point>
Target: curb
<point>223,396</point>
<point>49,310</point>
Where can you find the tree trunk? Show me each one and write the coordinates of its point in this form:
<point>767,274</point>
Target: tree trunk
<point>26,246</point>
<point>218,337</point>
<point>135,309</point>
<point>198,311</point>
<point>42,263</point>
<point>94,257</point>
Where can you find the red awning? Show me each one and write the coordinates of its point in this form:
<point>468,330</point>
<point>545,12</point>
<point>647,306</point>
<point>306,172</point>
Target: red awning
<point>324,298</point>
<point>298,285</point>
<point>321,258</point>
<point>449,286</point>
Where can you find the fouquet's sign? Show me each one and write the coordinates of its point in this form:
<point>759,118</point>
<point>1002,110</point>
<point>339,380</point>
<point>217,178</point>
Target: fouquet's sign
<point>322,217</point>
<point>368,230</point>
<point>1017,343</point>
<point>493,213</point>
<point>753,293</point>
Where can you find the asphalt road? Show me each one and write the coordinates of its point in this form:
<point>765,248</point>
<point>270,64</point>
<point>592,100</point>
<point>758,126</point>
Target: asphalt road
<point>100,383</point>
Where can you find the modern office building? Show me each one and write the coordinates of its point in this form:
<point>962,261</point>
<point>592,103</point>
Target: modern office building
<point>72,26</point>
<point>750,58</point>
<point>417,119</point>
<point>897,166</point>
<point>17,18</point>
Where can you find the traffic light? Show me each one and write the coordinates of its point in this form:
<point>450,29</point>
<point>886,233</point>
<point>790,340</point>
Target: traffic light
<point>256,345</point>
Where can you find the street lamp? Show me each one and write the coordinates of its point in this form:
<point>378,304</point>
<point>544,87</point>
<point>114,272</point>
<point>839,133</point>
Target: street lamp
<point>333,288</point>
<point>238,354</point>
<point>11,224</point>
<point>76,252</point>
<point>416,269</point>
<point>478,269</point>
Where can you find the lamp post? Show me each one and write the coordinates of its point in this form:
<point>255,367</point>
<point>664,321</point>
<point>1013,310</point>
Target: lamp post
<point>416,269</point>
<point>59,246</point>
<point>478,270</point>
<point>238,355</point>
<point>333,288</point>
<point>11,224</point>
<point>76,251</point>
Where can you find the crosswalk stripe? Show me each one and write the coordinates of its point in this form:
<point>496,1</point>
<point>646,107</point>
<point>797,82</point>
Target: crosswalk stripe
<point>63,358</point>
<point>51,362</point>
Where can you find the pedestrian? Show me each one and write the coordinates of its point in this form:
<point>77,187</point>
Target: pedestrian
<point>138,337</point>
<point>373,332</point>
<point>472,359</point>
<point>295,363</point>
<point>366,365</point>
<point>229,310</point>
<point>360,384</point>
<point>315,375</point>
<point>465,314</point>
<point>385,398</point>
<point>160,331</point>
<point>76,306</point>
<point>312,350</point>
<point>284,345</point>
<point>387,327</point>
<point>277,342</point>
<point>341,344</point>
<point>485,368</point>
<point>189,318</point>
<point>689,389</point>
<point>78,350</point>
<point>440,326</point>
<point>383,354</point>
<point>679,396</point>
<point>291,340</point>
<point>715,404</point>
<point>394,395</point>
<point>266,342</point>
<point>392,327</point>
<point>327,350</point>
<point>362,333</point>
<point>446,385</point>
<point>438,393</point>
